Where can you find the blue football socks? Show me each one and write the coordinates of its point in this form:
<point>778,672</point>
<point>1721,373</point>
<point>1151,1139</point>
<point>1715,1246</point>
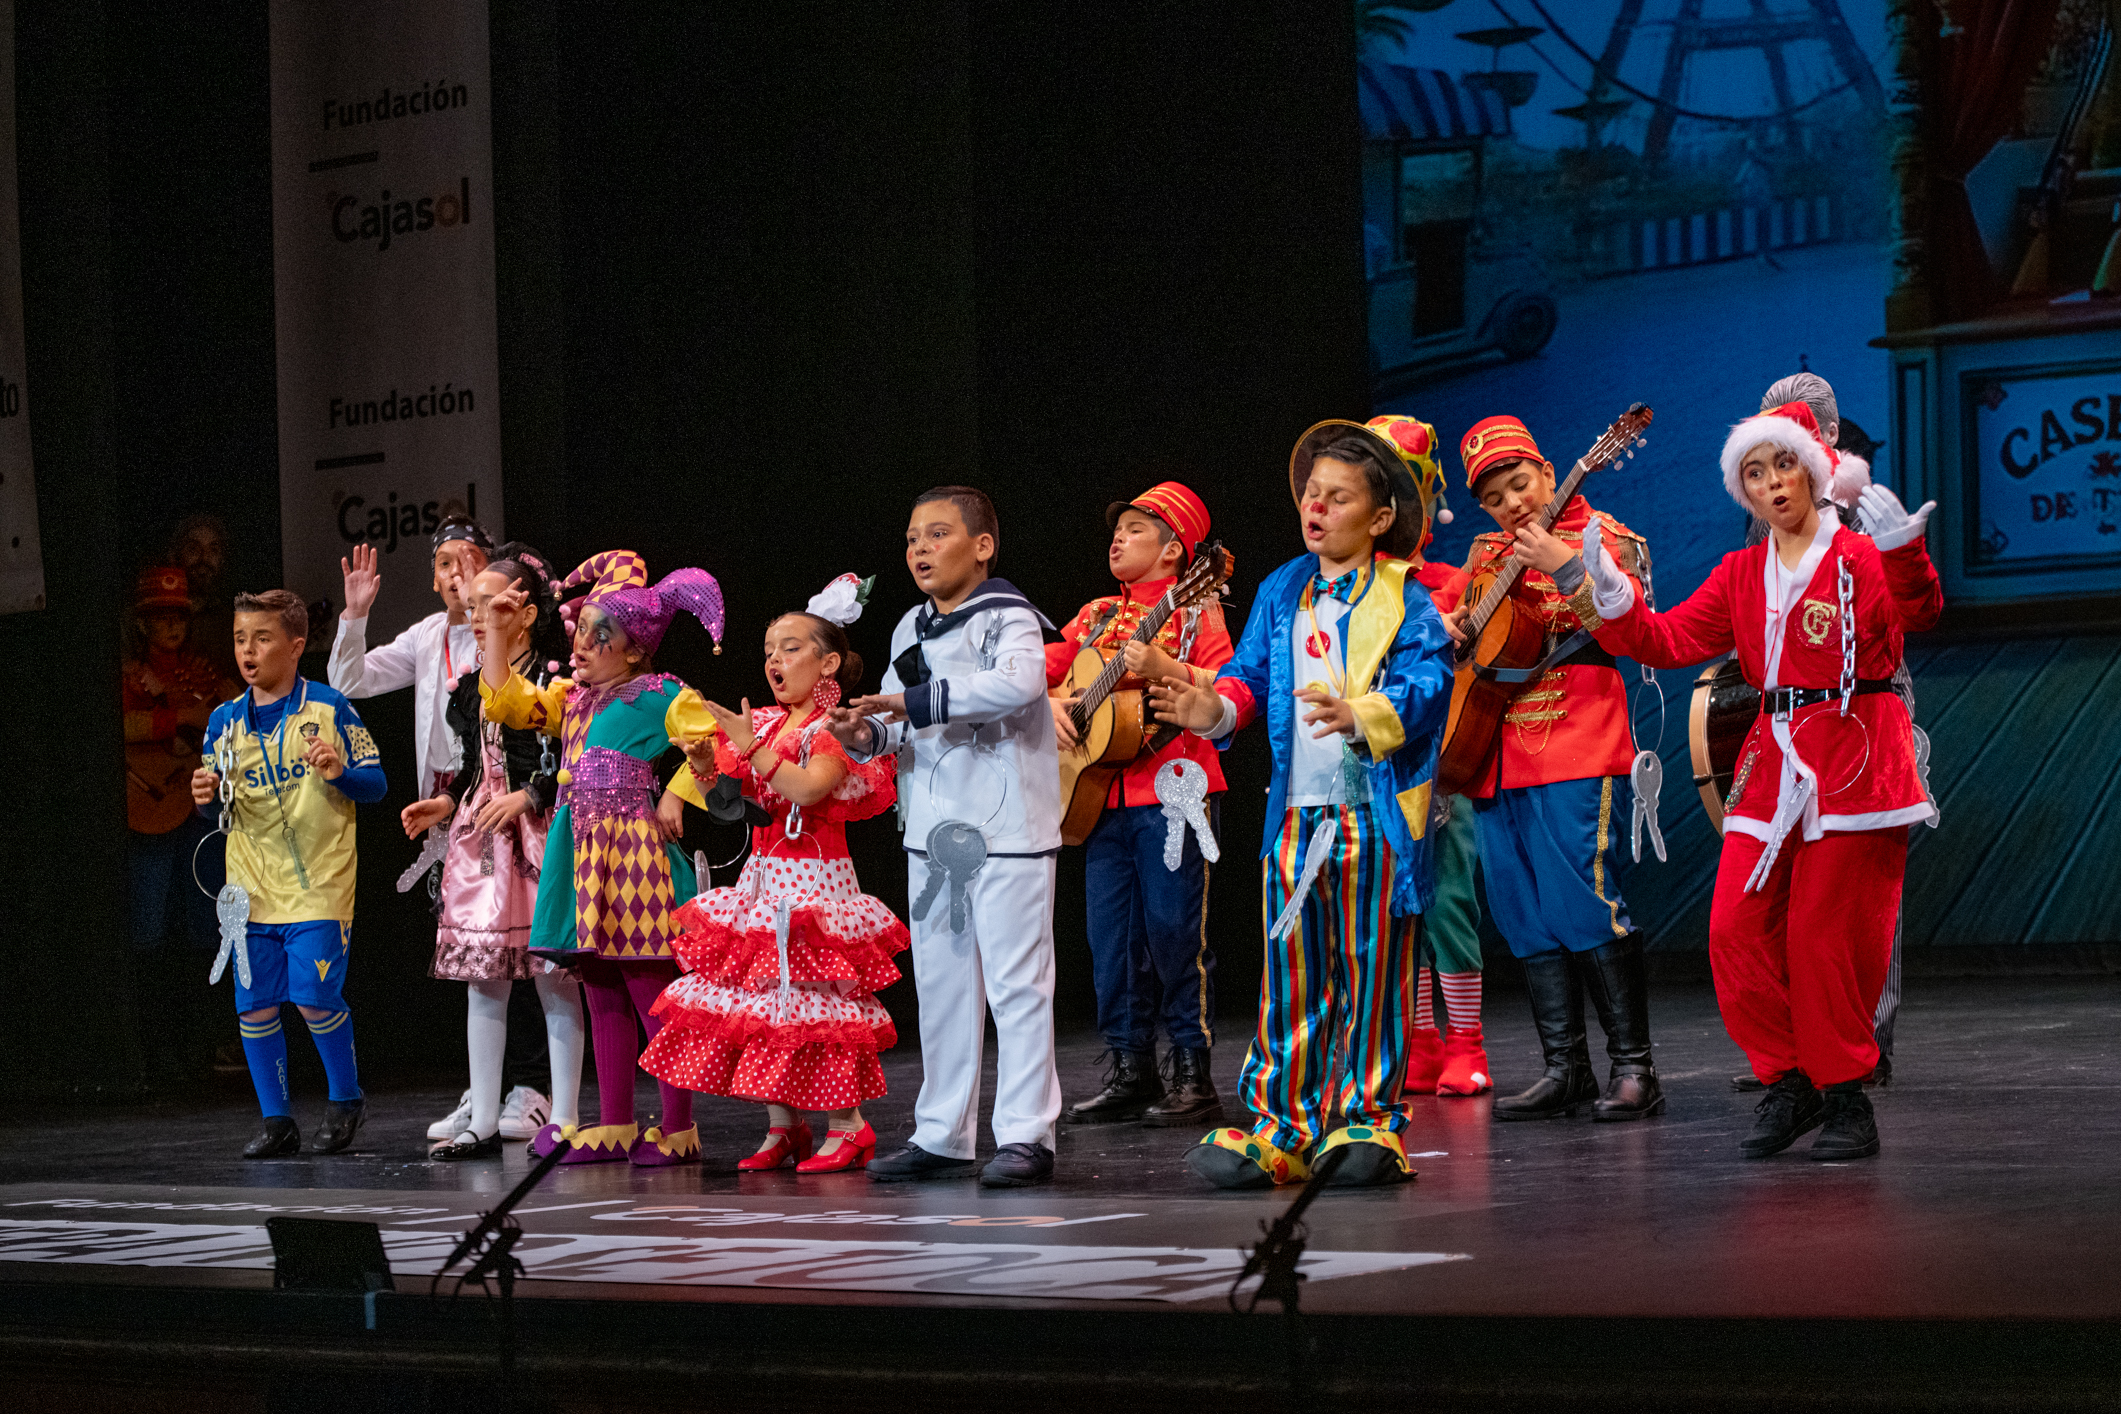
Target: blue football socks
<point>334,1038</point>
<point>265,1049</point>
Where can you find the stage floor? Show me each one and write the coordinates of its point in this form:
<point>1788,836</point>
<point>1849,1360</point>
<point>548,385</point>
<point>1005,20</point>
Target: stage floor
<point>1996,1196</point>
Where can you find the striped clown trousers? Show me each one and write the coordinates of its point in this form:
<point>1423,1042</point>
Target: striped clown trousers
<point>1336,990</point>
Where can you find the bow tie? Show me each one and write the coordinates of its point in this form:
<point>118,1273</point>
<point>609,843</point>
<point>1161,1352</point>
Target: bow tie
<point>1341,588</point>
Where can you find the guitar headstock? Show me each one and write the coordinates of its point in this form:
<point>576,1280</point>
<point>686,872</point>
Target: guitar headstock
<point>1204,578</point>
<point>1621,438</point>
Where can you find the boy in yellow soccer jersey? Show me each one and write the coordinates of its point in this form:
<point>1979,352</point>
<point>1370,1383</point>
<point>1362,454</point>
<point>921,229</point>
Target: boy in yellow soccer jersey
<point>300,760</point>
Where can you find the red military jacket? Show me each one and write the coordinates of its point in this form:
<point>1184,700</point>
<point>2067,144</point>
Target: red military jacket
<point>1787,626</point>
<point>1573,723</point>
<point>1210,649</point>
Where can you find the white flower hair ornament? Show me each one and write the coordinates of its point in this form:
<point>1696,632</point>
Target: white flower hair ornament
<point>841,601</point>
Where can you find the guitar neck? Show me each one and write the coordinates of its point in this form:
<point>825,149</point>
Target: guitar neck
<point>1152,623</point>
<point>1511,572</point>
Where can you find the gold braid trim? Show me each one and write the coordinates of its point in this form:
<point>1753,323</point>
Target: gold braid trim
<point>1584,604</point>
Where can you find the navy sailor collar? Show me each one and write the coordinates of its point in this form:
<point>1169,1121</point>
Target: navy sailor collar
<point>992,594</point>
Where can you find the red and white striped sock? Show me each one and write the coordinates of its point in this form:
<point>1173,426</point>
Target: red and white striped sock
<point>1424,1013</point>
<point>1461,1000</point>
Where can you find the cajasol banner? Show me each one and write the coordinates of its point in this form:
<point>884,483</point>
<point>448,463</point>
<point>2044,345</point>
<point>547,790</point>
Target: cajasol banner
<point>382,159</point>
<point>21,555</point>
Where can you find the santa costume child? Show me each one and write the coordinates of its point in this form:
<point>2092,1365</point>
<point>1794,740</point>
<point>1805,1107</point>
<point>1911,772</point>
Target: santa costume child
<point>778,1001</point>
<point>1815,833</point>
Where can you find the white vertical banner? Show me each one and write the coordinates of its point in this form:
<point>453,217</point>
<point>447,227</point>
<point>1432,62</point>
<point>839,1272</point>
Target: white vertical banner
<point>382,154</point>
<point>21,553</point>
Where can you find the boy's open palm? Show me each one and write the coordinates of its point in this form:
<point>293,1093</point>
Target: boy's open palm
<point>1186,704</point>
<point>362,581</point>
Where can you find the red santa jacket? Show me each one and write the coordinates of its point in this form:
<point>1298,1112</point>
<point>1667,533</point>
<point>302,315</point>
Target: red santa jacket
<point>1786,626</point>
<point>1211,648</point>
<point>1573,723</point>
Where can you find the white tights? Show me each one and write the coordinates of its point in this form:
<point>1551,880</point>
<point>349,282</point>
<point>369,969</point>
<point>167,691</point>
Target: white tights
<point>486,1039</point>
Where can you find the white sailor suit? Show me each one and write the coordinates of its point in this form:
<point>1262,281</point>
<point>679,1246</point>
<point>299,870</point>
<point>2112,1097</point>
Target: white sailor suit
<point>977,746</point>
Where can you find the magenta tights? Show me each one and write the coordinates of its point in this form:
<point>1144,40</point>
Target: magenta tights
<point>621,993</point>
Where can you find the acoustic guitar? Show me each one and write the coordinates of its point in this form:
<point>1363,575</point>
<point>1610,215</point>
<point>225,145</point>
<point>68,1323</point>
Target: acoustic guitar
<point>158,783</point>
<point>1500,637</point>
<point>1115,727</point>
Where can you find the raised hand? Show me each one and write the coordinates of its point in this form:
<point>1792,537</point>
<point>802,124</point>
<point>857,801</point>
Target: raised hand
<point>204,785</point>
<point>736,728</point>
<point>323,758</point>
<point>1540,549</point>
<point>891,706</point>
<point>1331,715</point>
<point>1891,524</point>
<point>362,581</point>
<point>849,728</point>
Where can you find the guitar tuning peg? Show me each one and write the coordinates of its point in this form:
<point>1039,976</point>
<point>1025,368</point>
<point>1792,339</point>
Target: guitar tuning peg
<point>1631,454</point>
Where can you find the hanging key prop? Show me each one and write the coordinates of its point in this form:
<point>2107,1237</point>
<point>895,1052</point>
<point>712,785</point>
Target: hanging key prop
<point>1182,787</point>
<point>232,904</point>
<point>1648,778</point>
<point>957,850</point>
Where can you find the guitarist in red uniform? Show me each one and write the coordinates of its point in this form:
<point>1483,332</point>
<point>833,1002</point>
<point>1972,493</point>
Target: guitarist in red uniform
<point>1554,801</point>
<point>1148,925</point>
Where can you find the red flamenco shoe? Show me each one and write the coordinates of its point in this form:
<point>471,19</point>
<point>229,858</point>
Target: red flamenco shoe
<point>857,1146</point>
<point>1425,1052</point>
<point>1465,1064</point>
<point>787,1144</point>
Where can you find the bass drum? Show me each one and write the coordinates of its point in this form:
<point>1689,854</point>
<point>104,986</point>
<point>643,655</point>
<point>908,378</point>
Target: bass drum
<point>1724,707</point>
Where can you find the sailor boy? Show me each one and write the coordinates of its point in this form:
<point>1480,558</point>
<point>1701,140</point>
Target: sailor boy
<point>964,706</point>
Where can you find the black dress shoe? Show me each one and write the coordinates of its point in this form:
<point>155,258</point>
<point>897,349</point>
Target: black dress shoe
<point>1745,1082</point>
<point>1787,1111</point>
<point>467,1146</point>
<point>1557,1013</point>
<point>1131,1086</point>
<point>281,1135</point>
<point>1848,1129</point>
<point>913,1162</point>
<point>342,1120</point>
<point>1018,1166</point>
<point>1189,1093</point>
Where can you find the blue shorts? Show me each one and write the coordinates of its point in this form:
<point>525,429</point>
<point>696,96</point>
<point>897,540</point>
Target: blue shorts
<point>303,963</point>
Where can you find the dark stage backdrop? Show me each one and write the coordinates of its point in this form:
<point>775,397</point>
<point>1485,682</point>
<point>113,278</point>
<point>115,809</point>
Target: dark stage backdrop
<point>765,273</point>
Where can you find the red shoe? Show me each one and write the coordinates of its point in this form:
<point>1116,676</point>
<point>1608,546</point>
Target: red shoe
<point>856,1147</point>
<point>1465,1064</point>
<point>1424,1059</point>
<point>787,1144</point>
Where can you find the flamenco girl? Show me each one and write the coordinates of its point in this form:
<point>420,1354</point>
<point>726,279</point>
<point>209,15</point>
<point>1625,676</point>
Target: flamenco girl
<point>611,880</point>
<point>778,1003</point>
<point>498,806</point>
<point>1816,829</point>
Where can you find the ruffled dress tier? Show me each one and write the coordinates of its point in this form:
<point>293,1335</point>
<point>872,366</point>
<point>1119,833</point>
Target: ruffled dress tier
<point>778,1001</point>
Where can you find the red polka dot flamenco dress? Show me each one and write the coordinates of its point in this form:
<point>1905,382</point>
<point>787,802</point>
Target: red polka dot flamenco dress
<point>780,1005</point>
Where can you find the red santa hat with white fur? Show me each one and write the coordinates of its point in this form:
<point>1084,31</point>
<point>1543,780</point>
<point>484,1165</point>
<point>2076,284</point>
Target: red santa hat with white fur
<point>1836,475</point>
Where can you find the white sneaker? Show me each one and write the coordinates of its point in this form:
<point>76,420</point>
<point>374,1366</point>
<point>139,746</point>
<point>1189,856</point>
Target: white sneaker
<point>524,1113</point>
<point>454,1123</point>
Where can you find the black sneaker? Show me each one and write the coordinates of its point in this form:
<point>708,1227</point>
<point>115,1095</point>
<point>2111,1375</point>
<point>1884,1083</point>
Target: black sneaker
<point>342,1120</point>
<point>281,1135</point>
<point>1849,1130</point>
<point>912,1163</point>
<point>1018,1166</point>
<point>1789,1108</point>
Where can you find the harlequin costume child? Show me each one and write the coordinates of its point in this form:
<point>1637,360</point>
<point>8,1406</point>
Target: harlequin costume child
<point>487,895</point>
<point>1452,1060</point>
<point>609,884</point>
<point>1815,827</point>
<point>778,1000</point>
<point>1148,923</point>
<point>1555,798</point>
<point>294,767</point>
<point>1347,815</point>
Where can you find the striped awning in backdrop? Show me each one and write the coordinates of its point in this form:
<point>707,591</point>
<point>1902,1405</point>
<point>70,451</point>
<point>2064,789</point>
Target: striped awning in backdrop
<point>1426,105</point>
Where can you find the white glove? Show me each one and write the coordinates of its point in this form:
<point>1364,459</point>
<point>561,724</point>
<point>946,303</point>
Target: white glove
<point>1610,590</point>
<point>1888,521</point>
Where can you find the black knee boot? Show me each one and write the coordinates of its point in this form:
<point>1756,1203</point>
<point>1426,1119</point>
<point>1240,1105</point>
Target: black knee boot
<point>1619,985</point>
<point>1557,1010</point>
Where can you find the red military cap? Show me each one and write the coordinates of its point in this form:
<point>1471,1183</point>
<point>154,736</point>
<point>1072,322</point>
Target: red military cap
<point>1175,505</point>
<point>162,587</point>
<point>1493,441</point>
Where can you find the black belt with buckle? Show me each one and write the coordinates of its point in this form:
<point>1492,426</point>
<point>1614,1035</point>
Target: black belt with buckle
<point>1783,700</point>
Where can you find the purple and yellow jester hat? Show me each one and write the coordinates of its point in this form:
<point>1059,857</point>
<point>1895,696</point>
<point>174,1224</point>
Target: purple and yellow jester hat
<point>619,588</point>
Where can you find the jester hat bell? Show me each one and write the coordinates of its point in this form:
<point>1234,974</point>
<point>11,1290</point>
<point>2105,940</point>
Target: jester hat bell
<point>1405,446</point>
<point>619,588</point>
